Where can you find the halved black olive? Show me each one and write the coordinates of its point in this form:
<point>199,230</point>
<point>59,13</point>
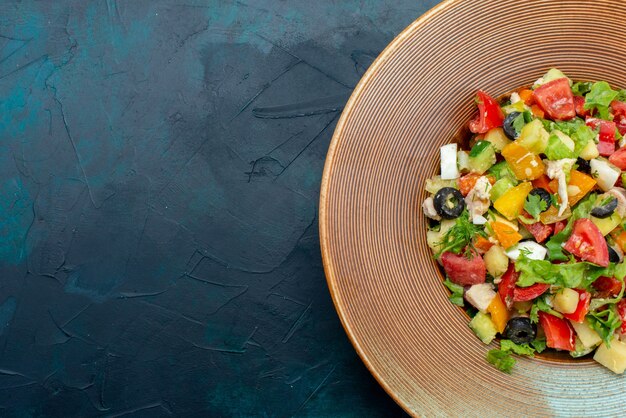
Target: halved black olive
<point>449,203</point>
<point>583,165</point>
<point>520,330</point>
<point>507,125</point>
<point>613,255</point>
<point>606,208</point>
<point>543,194</point>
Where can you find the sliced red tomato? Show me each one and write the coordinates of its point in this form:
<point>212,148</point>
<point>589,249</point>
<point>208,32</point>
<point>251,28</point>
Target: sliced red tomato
<point>609,285</point>
<point>606,135</point>
<point>621,311</point>
<point>556,99</point>
<point>619,111</point>
<point>606,148</point>
<point>542,182</point>
<point>540,231</point>
<point>506,287</point>
<point>579,105</point>
<point>489,114</point>
<point>618,158</point>
<point>559,226</point>
<point>463,270</point>
<point>522,294</point>
<point>559,332</point>
<point>587,243</point>
<point>584,298</point>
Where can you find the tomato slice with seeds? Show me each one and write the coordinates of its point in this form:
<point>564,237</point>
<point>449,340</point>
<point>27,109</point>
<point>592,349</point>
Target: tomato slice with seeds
<point>489,114</point>
<point>621,311</point>
<point>606,135</point>
<point>556,99</point>
<point>463,270</point>
<point>579,105</point>
<point>540,231</point>
<point>609,285</point>
<point>618,158</point>
<point>559,332</point>
<point>584,299</point>
<point>588,243</point>
<point>506,287</point>
<point>523,294</point>
<point>619,111</point>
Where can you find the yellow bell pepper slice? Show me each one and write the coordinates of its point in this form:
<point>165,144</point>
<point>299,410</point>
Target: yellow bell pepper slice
<point>499,314</point>
<point>525,164</point>
<point>579,185</point>
<point>511,203</point>
<point>505,234</point>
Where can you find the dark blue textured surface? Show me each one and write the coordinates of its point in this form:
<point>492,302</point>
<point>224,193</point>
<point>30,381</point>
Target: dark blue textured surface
<point>159,180</point>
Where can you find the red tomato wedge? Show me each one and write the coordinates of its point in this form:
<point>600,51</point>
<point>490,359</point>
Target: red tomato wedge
<point>522,294</point>
<point>489,114</point>
<point>584,298</point>
<point>621,311</point>
<point>609,285</point>
<point>579,105</point>
<point>559,332</point>
<point>559,226</point>
<point>556,99</point>
<point>462,270</point>
<point>606,135</point>
<point>619,111</point>
<point>540,231</point>
<point>618,158</point>
<point>587,243</point>
<point>506,287</point>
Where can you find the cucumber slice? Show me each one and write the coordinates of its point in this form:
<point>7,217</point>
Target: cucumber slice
<point>482,157</point>
<point>483,327</point>
<point>501,187</point>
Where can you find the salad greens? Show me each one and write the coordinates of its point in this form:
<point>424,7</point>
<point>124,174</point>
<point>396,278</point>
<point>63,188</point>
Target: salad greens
<point>529,223</point>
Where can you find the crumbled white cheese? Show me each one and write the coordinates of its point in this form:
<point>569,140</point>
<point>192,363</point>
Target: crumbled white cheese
<point>531,249</point>
<point>429,209</point>
<point>479,220</point>
<point>557,170</point>
<point>480,296</point>
<point>515,98</point>
<point>478,199</point>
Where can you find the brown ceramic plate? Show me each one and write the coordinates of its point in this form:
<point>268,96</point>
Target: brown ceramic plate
<point>386,287</point>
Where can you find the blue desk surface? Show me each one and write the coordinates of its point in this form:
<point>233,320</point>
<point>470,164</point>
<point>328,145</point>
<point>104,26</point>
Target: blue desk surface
<point>159,178</point>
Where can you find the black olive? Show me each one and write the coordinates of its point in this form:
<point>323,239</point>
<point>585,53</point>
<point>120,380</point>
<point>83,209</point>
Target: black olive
<point>520,330</point>
<point>507,125</point>
<point>449,203</point>
<point>583,165</point>
<point>613,256</point>
<point>543,194</point>
<point>605,210</point>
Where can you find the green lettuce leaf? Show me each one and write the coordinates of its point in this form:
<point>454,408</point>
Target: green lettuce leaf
<point>539,344</point>
<point>457,292</point>
<point>520,349</point>
<point>502,360</point>
<point>581,88</point>
<point>540,304</point>
<point>605,323</point>
<point>600,97</point>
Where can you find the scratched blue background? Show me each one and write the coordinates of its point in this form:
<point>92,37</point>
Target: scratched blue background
<point>159,177</point>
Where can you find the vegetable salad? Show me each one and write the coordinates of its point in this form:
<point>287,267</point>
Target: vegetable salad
<point>529,223</point>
